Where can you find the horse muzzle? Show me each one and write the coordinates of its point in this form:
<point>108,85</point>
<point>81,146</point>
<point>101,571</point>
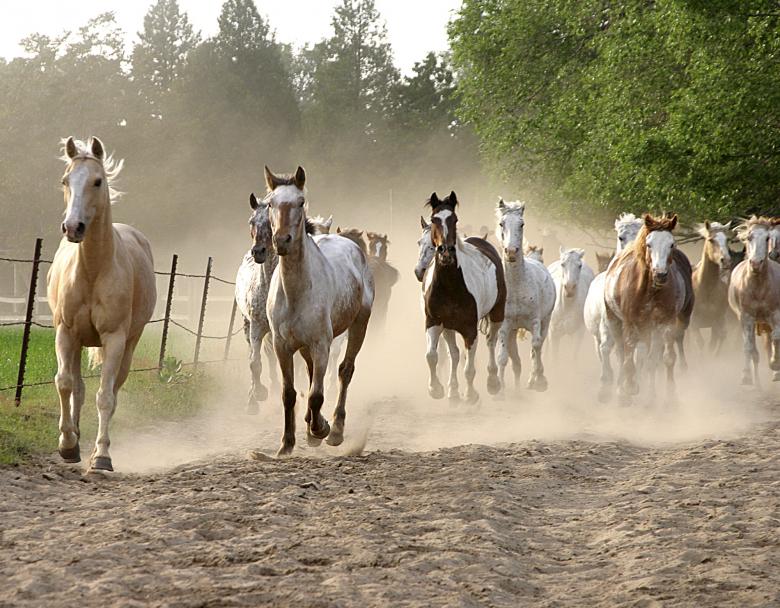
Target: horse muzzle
<point>419,273</point>
<point>74,231</point>
<point>569,290</point>
<point>756,266</point>
<point>660,278</point>
<point>510,254</point>
<point>258,254</point>
<point>282,244</point>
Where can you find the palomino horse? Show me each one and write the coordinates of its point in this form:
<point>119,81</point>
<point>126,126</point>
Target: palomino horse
<point>465,285</point>
<point>627,226</point>
<point>572,278</point>
<point>711,284</point>
<point>530,297</point>
<point>648,298</point>
<point>754,296</point>
<point>321,288</point>
<point>385,276</point>
<point>102,292</point>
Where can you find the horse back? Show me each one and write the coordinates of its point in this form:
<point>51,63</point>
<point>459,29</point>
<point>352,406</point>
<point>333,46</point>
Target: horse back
<point>486,249</point>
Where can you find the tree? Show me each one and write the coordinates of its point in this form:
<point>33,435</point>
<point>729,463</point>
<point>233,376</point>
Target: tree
<point>160,56</point>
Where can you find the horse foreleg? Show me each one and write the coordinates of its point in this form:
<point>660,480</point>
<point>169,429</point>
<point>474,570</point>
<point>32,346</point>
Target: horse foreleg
<point>355,337</point>
<point>317,428</point>
<point>749,349</point>
<point>679,337</point>
<point>670,357</point>
<point>68,350</point>
<point>257,392</point>
<point>493,383</point>
<point>505,334</point>
<point>514,355</point>
<point>435,389</point>
<point>629,385</point>
<point>114,346</point>
<point>452,345</point>
<point>286,367</point>
<point>472,396</point>
<point>606,342</point>
<point>539,329</point>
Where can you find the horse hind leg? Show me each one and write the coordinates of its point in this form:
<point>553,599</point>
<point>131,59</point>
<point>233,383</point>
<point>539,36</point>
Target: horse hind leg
<point>68,351</point>
<point>270,355</point>
<point>257,392</point>
<point>514,355</point>
<point>355,337</point>
<point>493,383</point>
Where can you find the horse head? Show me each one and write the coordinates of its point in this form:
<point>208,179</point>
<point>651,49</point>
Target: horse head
<point>286,200</point>
<point>535,252</point>
<point>259,229</point>
<point>444,227</point>
<point>755,233</point>
<point>774,239</point>
<point>85,185</point>
<point>627,227</point>
<point>510,228</point>
<point>716,244</point>
<point>427,250</point>
<point>377,245</point>
<point>656,246</point>
<point>571,267</point>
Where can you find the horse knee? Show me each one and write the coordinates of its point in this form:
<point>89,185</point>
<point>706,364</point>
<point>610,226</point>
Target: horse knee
<point>63,381</point>
<point>346,369</point>
<point>315,401</point>
<point>288,397</point>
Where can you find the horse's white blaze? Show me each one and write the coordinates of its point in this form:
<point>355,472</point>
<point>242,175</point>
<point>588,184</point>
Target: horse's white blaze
<point>627,226</point>
<point>426,253</point>
<point>660,244</point>
<point>757,244</point>
<point>511,235</point>
<point>443,215</point>
<point>76,212</point>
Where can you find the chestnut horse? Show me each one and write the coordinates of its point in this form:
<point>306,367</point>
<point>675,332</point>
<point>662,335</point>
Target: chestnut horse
<point>465,285</point>
<point>321,289</point>
<point>102,292</point>
<point>649,297</point>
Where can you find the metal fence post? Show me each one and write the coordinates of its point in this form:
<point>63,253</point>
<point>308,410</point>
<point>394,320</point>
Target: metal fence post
<point>28,320</point>
<point>168,303</point>
<point>230,329</point>
<point>206,281</point>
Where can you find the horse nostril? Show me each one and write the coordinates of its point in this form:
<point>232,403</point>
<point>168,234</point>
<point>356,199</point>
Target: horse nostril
<point>80,228</point>
<point>288,239</point>
<point>440,249</point>
<point>63,228</point>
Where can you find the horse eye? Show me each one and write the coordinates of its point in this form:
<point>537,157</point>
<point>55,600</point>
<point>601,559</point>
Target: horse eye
<point>64,181</point>
<point>98,182</point>
<point>501,224</point>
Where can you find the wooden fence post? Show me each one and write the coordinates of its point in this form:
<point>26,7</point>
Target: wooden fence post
<point>168,303</point>
<point>199,338</point>
<point>28,320</point>
<point>230,329</point>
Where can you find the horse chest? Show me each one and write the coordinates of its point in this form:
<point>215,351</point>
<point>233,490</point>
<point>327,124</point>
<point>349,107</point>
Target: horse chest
<point>448,301</point>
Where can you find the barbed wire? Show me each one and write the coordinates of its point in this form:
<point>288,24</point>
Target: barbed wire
<point>24,260</point>
<point>205,337</point>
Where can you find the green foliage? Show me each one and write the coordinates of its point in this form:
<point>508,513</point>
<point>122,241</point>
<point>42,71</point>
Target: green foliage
<point>638,105</point>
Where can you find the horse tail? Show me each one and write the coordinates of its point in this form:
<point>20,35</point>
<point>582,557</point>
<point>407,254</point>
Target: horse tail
<point>95,356</point>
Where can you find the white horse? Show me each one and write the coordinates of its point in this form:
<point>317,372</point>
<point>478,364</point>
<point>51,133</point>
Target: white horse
<point>627,226</point>
<point>530,297</point>
<point>572,277</point>
<point>321,288</point>
<point>754,296</point>
<point>102,292</point>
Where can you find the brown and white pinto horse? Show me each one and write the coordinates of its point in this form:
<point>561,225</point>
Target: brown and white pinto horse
<point>649,297</point>
<point>465,285</point>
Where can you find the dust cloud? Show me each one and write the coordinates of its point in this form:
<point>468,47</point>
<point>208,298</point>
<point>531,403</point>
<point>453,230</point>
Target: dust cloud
<point>389,409</point>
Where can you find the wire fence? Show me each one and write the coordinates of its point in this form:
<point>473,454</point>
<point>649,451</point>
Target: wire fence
<point>166,320</point>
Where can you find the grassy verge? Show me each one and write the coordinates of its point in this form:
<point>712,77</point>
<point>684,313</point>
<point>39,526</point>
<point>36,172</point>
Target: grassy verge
<point>32,429</point>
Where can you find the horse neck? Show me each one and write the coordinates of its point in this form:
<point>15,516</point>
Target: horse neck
<point>708,269</point>
<point>270,264</point>
<point>295,268</point>
<point>96,251</point>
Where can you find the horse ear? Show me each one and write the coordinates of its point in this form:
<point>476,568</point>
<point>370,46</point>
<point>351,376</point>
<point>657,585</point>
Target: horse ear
<point>673,222</point>
<point>501,203</point>
<point>434,200</point>
<point>300,178</point>
<point>423,223</point>
<point>97,148</point>
<point>253,201</point>
<point>70,148</point>
<point>453,198</point>
<point>561,249</point>
<point>338,230</point>
<point>270,179</point>
<point>648,220</point>
<point>328,222</point>
<point>707,225</point>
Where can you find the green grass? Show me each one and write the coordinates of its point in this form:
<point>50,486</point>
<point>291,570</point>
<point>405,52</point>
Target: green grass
<point>32,429</point>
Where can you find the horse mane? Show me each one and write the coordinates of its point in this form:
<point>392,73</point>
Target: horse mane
<point>284,179</point>
<point>356,236</point>
<point>507,207</point>
<point>318,225</point>
<point>533,248</point>
<point>745,227</point>
<point>112,167</point>
<point>626,219</point>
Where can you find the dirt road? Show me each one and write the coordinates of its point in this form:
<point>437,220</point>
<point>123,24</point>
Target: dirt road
<point>534,523</point>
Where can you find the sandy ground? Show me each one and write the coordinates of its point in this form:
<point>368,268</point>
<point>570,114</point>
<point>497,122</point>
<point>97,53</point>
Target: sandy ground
<point>591,515</point>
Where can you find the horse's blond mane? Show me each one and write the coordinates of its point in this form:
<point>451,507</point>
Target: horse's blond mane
<point>754,221</point>
<point>112,167</point>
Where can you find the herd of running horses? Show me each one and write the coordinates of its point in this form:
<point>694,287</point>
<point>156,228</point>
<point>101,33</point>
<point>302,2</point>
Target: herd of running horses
<point>313,293</point>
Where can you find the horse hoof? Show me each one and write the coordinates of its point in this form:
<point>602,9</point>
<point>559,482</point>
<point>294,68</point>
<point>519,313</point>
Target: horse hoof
<point>538,384</point>
<point>101,463</point>
<point>472,398</point>
<point>71,454</point>
<point>312,441</point>
<point>436,392</point>
<point>318,437</point>
<point>493,385</point>
<point>335,438</point>
<point>252,408</point>
<point>285,450</point>
<point>776,377</point>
